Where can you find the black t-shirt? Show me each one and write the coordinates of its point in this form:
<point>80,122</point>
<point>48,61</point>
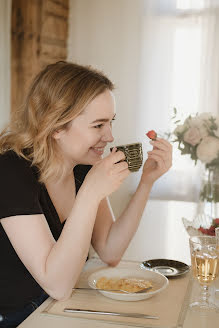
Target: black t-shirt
<point>22,194</point>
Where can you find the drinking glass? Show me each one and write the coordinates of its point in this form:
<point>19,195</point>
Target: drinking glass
<point>217,241</point>
<point>205,268</point>
<point>217,236</point>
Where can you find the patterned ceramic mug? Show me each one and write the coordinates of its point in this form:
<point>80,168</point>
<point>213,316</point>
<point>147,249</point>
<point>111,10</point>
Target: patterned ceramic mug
<point>133,155</point>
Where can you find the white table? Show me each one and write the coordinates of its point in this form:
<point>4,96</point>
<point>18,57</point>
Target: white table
<point>161,234</point>
<point>187,319</point>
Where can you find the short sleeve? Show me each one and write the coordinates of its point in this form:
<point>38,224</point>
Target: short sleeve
<point>19,188</point>
<point>80,172</point>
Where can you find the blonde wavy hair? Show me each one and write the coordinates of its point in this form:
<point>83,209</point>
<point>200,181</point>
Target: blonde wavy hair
<point>58,94</point>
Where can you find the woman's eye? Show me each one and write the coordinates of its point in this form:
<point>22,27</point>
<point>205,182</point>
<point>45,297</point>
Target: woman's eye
<point>98,126</point>
<point>111,122</point>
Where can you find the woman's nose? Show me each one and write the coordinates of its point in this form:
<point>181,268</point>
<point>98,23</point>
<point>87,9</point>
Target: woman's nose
<point>107,136</point>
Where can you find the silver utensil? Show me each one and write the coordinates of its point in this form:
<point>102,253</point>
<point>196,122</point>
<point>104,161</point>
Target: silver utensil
<point>122,314</point>
<point>115,290</point>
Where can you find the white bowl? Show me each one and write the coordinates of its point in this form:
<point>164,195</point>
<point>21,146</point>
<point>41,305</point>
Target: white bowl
<point>158,280</point>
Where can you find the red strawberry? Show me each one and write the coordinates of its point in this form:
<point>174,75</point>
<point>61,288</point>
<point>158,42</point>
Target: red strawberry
<point>211,228</point>
<point>216,222</point>
<point>211,231</point>
<point>203,230</point>
<point>152,134</point>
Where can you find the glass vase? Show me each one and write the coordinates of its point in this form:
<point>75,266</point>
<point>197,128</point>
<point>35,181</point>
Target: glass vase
<point>207,216</point>
<point>209,195</point>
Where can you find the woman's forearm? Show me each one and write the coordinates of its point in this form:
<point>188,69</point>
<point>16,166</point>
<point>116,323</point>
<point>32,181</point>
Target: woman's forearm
<point>121,232</point>
<point>68,255</point>
<point>124,228</point>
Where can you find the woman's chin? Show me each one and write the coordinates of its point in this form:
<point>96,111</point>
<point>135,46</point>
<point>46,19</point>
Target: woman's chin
<point>91,160</point>
<point>95,160</point>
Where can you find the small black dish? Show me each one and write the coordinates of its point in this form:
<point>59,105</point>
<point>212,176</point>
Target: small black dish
<point>168,268</point>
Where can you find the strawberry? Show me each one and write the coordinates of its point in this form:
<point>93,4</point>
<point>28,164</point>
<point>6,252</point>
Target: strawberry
<point>203,230</point>
<point>152,134</point>
<point>210,231</point>
<point>216,222</point>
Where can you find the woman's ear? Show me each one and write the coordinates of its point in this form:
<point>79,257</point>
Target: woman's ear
<point>58,133</point>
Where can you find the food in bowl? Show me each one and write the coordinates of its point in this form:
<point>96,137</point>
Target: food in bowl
<point>131,285</point>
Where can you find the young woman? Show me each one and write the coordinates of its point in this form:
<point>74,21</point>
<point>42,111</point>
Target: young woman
<point>54,188</point>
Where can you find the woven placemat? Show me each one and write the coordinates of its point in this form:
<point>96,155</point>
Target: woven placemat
<point>167,305</point>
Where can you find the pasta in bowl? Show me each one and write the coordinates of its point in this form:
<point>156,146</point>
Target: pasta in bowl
<point>131,280</point>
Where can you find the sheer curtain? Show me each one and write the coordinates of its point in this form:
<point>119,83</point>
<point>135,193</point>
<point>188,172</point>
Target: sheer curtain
<point>179,68</point>
<point>209,91</point>
<point>5,29</point>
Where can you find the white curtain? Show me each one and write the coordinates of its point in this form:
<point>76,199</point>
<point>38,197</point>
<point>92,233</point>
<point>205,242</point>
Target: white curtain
<point>180,68</point>
<point>209,91</point>
<point>5,35</point>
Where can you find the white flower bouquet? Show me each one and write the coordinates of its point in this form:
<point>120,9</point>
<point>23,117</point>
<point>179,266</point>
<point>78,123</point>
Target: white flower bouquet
<point>199,136</point>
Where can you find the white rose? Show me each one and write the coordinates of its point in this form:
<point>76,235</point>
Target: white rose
<point>199,123</point>
<point>192,136</point>
<point>180,129</point>
<point>205,116</point>
<point>208,149</point>
<point>216,132</point>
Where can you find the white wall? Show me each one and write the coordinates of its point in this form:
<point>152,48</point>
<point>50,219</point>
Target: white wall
<point>5,84</point>
<point>103,33</point>
<point>133,43</point>
<point>107,34</point>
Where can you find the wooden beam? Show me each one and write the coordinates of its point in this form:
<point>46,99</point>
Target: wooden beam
<point>38,37</point>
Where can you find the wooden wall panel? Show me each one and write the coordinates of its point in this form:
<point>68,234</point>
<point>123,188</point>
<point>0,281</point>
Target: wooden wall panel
<point>39,37</point>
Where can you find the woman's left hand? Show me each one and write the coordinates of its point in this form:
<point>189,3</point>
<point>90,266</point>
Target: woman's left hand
<point>159,161</point>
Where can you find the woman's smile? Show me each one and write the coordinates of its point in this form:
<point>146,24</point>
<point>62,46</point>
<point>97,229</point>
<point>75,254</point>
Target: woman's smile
<point>98,150</point>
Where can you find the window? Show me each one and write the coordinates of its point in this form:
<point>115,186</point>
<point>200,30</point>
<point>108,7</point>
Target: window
<point>189,4</point>
<point>179,69</point>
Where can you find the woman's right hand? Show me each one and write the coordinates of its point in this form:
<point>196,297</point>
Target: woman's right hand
<point>107,175</point>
